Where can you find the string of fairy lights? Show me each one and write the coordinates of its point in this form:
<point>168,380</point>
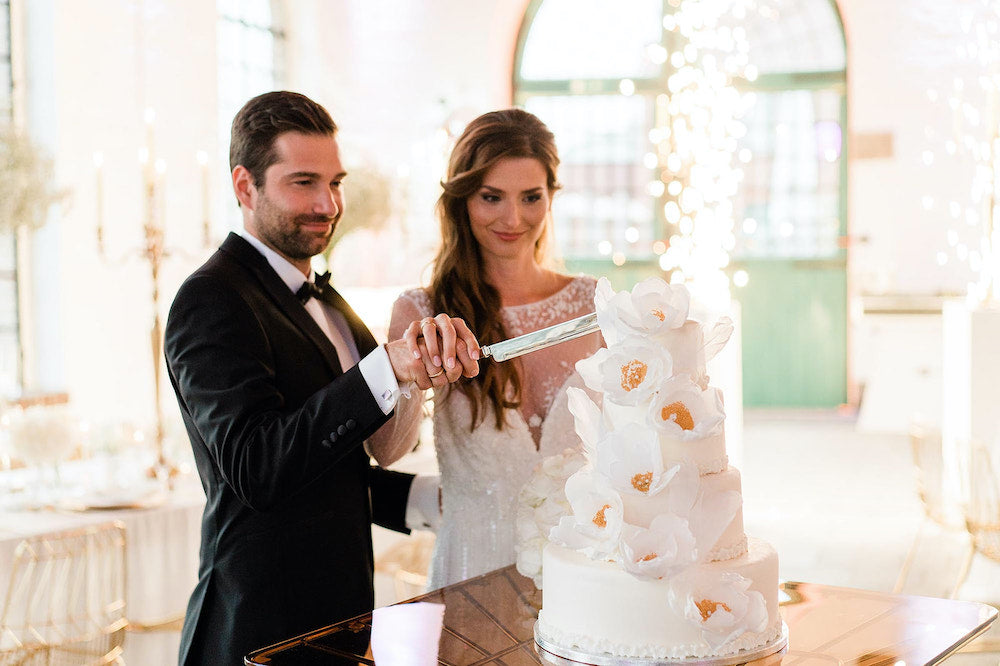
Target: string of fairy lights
<point>974,103</point>
<point>695,140</point>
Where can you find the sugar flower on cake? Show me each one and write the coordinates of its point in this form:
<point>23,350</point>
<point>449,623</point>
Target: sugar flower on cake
<point>541,503</point>
<point>711,514</point>
<point>652,305</point>
<point>596,523</point>
<point>587,417</point>
<point>663,549</point>
<point>684,411</point>
<point>631,460</point>
<point>626,373</point>
<point>722,605</point>
<point>691,347</point>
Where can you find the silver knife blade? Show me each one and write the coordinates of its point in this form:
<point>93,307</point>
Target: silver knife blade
<point>542,338</point>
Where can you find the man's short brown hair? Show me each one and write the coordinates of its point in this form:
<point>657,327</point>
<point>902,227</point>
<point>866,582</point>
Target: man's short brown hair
<point>263,119</point>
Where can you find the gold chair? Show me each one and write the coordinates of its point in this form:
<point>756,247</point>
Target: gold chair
<point>982,513</point>
<point>65,604</point>
<point>407,562</point>
<point>928,465</point>
<point>982,521</point>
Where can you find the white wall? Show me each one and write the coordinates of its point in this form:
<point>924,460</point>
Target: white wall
<point>394,75</point>
<point>105,62</point>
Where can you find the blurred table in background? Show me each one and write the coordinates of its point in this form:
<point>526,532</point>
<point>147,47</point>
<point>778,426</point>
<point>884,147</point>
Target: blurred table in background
<point>163,528</point>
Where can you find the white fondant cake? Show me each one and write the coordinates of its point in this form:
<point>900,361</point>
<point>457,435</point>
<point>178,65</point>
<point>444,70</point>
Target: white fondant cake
<point>649,558</point>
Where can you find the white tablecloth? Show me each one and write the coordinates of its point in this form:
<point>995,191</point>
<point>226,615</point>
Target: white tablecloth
<point>161,558</point>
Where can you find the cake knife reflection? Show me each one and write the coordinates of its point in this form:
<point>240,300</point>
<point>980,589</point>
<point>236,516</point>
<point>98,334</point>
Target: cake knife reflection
<point>542,338</point>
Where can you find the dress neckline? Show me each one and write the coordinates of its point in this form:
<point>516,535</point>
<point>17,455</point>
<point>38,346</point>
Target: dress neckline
<point>574,279</point>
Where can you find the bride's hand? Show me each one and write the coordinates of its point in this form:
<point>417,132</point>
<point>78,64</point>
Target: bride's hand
<point>446,346</point>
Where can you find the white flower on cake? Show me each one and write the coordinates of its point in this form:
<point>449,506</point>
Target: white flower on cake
<point>662,550</point>
<point>652,306</point>
<point>711,514</point>
<point>541,503</point>
<point>683,410</point>
<point>587,418</point>
<point>596,523</point>
<point>722,605</point>
<point>629,372</point>
<point>630,459</point>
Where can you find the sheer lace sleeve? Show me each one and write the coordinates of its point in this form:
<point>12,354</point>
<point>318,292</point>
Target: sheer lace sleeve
<point>399,434</point>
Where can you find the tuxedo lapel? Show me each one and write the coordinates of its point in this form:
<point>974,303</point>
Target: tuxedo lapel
<point>283,298</point>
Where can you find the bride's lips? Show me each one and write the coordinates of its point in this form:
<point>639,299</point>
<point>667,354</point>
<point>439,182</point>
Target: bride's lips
<point>507,236</point>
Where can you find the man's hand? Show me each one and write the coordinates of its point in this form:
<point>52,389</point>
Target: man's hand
<point>435,351</point>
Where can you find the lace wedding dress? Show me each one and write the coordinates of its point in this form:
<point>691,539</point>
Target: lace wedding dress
<point>483,469</point>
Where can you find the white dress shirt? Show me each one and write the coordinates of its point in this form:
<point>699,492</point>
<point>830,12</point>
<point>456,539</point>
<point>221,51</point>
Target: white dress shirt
<point>375,367</point>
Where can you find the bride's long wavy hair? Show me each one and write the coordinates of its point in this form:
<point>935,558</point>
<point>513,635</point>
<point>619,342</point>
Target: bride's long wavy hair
<point>458,281</point>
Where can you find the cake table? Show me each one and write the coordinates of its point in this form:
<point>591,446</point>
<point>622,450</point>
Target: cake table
<point>490,620</point>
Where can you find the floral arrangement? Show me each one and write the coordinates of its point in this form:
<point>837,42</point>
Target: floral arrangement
<point>41,434</point>
<point>623,503</point>
<point>26,191</point>
<point>541,504</point>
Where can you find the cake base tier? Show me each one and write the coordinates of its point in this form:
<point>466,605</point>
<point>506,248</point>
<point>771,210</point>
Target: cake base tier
<point>597,608</point>
<point>552,653</point>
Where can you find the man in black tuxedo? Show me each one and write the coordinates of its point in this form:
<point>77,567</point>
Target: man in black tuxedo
<point>279,383</point>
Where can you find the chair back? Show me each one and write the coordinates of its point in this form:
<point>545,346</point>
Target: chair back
<point>982,514</point>
<point>928,462</point>
<point>65,603</point>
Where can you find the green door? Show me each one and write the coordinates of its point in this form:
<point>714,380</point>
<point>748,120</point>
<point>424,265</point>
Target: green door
<point>788,256</point>
<point>794,332</point>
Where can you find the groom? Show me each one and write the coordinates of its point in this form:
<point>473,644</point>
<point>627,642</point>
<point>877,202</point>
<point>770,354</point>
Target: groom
<point>279,383</point>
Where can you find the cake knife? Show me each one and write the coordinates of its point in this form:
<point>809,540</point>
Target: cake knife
<point>542,338</point>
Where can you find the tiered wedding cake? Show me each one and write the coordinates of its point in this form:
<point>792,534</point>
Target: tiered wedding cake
<point>652,560</point>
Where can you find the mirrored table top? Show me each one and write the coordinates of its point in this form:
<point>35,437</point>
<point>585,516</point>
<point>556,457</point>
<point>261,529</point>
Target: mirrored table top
<point>490,620</point>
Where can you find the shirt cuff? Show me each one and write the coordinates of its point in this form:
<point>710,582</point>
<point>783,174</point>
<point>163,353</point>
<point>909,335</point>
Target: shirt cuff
<point>423,504</point>
<point>381,379</point>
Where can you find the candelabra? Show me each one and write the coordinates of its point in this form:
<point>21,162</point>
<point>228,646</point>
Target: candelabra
<point>154,251</point>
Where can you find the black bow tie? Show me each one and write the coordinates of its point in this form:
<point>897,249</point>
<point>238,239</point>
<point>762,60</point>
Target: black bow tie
<point>313,289</point>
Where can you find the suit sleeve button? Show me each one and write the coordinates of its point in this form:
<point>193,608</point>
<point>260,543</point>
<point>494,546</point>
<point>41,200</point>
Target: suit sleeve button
<point>341,429</point>
<point>326,443</point>
<point>351,423</point>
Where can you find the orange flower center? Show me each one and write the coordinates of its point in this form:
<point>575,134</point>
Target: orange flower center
<point>707,607</point>
<point>647,558</point>
<point>658,313</point>
<point>679,414</point>
<point>633,373</point>
<point>599,518</point>
<point>641,482</point>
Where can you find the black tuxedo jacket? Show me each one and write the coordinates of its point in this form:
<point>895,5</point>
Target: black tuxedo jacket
<point>277,430</point>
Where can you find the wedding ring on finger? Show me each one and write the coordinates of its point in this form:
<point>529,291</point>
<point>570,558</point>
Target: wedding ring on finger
<point>436,374</point>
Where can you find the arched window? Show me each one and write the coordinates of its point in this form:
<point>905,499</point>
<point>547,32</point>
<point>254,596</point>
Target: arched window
<point>599,74</point>
<point>251,46</point>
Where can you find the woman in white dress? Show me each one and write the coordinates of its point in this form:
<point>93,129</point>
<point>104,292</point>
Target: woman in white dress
<point>492,271</point>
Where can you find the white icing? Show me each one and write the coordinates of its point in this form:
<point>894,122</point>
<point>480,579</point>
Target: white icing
<point>747,641</point>
<point>595,607</point>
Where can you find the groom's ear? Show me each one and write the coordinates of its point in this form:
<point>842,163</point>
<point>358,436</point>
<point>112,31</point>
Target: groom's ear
<point>244,188</point>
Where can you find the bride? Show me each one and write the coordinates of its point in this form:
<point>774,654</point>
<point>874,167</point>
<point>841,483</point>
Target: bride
<point>492,271</point>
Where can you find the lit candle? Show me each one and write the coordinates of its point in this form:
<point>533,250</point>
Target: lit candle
<point>99,196</point>
<point>206,223</point>
<point>158,198</point>
<point>146,154</point>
